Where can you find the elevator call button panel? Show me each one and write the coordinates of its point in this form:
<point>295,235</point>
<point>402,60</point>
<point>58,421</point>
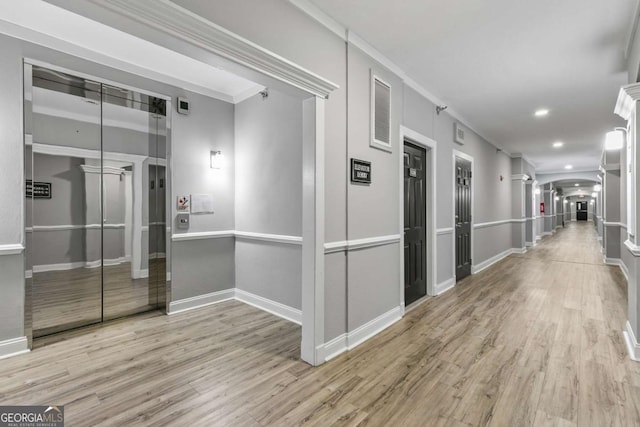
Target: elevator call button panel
<point>182,220</point>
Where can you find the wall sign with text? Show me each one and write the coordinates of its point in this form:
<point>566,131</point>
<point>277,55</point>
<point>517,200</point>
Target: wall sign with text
<point>360,171</point>
<point>38,190</point>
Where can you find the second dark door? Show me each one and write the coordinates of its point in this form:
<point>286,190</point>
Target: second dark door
<point>463,218</point>
<point>415,230</point>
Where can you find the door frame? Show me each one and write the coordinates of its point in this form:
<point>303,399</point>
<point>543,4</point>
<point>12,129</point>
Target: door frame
<point>468,158</point>
<point>430,146</point>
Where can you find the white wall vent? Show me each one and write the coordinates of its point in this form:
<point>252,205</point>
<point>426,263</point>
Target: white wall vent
<point>458,132</point>
<point>380,113</point>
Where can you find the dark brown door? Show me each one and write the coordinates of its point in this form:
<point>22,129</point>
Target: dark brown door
<point>415,230</point>
<point>463,218</point>
<point>581,211</point>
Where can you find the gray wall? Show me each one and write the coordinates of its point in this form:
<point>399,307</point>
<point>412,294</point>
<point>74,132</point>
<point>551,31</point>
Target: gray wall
<point>360,285</point>
<point>268,193</point>
<point>203,266</point>
<point>372,210</point>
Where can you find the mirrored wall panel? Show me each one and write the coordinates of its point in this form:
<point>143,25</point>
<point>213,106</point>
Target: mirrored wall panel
<point>96,180</point>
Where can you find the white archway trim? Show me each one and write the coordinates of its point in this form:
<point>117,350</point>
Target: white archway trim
<point>185,25</point>
<point>563,176</point>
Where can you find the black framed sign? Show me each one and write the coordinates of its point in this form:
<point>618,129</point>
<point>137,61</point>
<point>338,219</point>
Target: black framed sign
<point>360,171</point>
<point>38,190</point>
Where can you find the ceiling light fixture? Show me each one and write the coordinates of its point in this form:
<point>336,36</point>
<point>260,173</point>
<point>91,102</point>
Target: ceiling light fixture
<point>541,112</point>
<point>597,187</point>
<point>558,144</point>
<point>576,185</point>
<point>614,140</point>
<point>568,167</point>
<point>594,195</point>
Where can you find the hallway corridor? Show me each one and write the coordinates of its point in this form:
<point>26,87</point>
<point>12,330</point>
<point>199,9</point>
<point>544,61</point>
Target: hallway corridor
<point>534,340</point>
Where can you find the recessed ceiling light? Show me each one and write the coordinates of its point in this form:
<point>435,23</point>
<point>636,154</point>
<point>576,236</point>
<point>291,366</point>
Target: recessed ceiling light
<point>576,185</point>
<point>558,144</point>
<point>568,167</point>
<point>541,112</point>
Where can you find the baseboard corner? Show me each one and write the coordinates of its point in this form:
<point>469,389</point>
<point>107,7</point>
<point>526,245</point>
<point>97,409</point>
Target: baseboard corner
<point>14,347</point>
<point>278,309</point>
<point>334,348</point>
<point>632,344</point>
<point>373,327</point>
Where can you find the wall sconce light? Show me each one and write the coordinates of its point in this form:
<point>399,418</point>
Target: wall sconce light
<point>594,194</point>
<point>537,191</point>
<point>216,160</point>
<point>614,140</point>
<point>557,198</point>
<point>597,187</point>
<point>565,201</point>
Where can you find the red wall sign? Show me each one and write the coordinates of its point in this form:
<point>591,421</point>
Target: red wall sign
<point>541,207</point>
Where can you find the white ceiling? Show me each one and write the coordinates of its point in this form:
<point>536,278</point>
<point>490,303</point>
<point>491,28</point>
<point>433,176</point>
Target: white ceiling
<point>29,19</point>
<point>498,61</point>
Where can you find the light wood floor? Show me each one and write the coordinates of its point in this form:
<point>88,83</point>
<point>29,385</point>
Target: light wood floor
<point>534,340</point>
<point>69,299</point>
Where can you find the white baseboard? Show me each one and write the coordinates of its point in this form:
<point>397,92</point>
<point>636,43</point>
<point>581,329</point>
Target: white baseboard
<point>445,286</point>
<point>546,233</point>
<point>619,263</point>
<point>75,265</point>
<point>13,347</point>
<point>489,262</point>
<point>200,301</point>
<point>625,270</point>
<point>529,244</point>
<point>141,274</point>
<point>373,327</point>
<point>632,344</point>
<point>334,348</point>
<point>352,339</point>
<point>28,274</point>
<point>519,250</point>
<point>273,307</point>
<point>538,238</point>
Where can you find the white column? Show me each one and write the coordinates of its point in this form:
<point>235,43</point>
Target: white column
<point>627,108</point>
<point>313,231</point>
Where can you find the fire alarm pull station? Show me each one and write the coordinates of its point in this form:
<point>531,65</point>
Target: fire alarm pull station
<point>541,207</point>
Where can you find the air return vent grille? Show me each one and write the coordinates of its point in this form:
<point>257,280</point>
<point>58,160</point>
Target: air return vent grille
<point>380,113</point>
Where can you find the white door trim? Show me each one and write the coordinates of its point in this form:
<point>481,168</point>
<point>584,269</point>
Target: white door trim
<point>313,128</point>
<point>430,146</point>
<point>469,158</point>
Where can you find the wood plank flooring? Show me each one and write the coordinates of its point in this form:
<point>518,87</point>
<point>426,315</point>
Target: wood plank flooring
<point>533,340</point>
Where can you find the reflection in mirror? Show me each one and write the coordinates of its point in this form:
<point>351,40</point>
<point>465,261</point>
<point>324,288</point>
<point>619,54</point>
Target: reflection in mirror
<point>96,211</point>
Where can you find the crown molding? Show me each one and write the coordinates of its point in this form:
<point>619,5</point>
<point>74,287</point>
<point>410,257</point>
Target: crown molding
<point>633,29</point>
<point>350,37</point>
<point>322,18</point>
<point>187,26</point>
<point>627,98</point>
